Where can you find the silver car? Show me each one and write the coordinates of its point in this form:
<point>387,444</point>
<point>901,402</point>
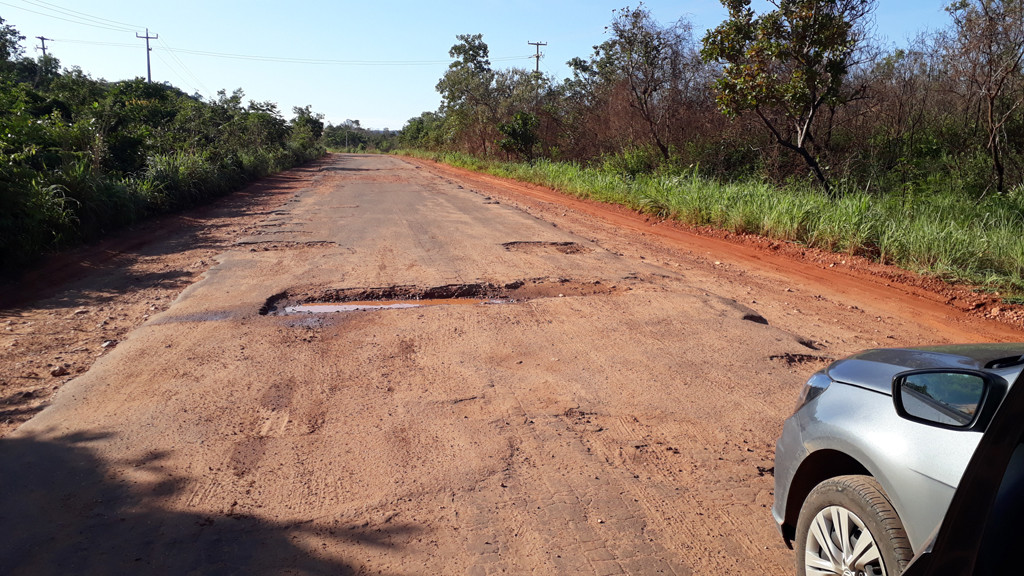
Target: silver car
<point>868,463</point>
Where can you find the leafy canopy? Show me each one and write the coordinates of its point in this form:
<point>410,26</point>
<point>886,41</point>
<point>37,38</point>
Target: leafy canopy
<point>520,134</point>
<point>10,42</point>
<point>786,64</point>
<point>795,57</point>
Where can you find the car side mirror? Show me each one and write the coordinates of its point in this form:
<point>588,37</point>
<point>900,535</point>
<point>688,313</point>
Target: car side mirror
<point>946,398</point>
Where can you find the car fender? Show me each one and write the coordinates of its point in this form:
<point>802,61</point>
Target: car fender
<point>917,465</point>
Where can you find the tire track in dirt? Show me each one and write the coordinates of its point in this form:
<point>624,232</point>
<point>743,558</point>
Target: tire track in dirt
<point>673,474</point>
<point>620,496</point>
<point>681,487</point>
<point>576,520</point>
<point>272,438</point>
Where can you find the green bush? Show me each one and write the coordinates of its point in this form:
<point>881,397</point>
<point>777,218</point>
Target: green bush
<point>90,156</point>
<point>632,162</point>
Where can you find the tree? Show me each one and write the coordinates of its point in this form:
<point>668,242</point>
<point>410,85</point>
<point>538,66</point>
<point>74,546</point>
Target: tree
<point>305,118</point>
<point>10,43</point>
<point>423,131</point>
<point>520,135</point>
<point>43,70</point>
<point>985,52</point>
<point>79,156</point>
<point>907,103</point>
<point>650,60</point>
<point>471,52</point>
<point>787,64</point>
<point>476,99</point>
<point>467,91</point>
<point>517,89</point>
<point>348,135</point>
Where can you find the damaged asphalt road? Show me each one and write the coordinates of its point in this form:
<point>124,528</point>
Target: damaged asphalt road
<point>561,406</point>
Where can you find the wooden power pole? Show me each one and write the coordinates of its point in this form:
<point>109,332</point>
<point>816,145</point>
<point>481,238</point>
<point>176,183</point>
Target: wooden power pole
<point>149,71</point>
<point>538,45</point>
<point>42,40</point>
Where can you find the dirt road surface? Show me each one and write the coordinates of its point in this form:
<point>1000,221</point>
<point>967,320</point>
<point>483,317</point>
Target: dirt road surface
<point>610,407</point>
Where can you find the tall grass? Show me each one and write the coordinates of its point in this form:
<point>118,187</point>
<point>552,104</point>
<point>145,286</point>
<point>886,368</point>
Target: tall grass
<point>74,203</point>
<point>937,230</point>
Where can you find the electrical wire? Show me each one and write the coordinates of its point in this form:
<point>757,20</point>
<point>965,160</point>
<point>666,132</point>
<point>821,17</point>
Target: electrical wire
<point>76,14</point>
<point>84,19</point>
<point>325,61</point>
<point>167,48</point>
<point>81,22</point>
<point>175,72</point>
<point>95,43</point>
<point>186,69</point>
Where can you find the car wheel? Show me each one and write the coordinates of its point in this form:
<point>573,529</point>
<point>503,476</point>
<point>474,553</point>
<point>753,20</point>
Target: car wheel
<point>848,527</point>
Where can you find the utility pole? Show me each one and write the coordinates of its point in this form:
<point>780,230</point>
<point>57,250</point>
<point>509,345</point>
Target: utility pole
<point>43,39</point>
<point>39,69</point>
<point>538,45</point>
<point>149,72</point>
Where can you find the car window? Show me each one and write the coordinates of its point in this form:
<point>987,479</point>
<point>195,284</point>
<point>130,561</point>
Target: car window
<point>946,398</point>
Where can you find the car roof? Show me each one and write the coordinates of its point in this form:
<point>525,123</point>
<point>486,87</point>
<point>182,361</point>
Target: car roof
<point>874,369</point>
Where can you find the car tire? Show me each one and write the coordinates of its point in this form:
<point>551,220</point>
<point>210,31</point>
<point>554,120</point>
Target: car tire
<point>834,520</point>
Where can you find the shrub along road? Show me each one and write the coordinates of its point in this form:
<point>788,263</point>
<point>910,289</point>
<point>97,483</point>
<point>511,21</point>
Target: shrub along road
<point>611,408</point>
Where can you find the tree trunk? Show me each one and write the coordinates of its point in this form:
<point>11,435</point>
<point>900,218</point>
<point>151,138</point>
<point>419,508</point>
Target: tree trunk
<point>993,144</point>
<point>661,145</point>
<point>811,161</point>
<point>997,165</point>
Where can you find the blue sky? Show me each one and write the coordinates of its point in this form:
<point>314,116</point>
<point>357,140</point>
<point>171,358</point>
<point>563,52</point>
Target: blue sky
<point>377,61</point>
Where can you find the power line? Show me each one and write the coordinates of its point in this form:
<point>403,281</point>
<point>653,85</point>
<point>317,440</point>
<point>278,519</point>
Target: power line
<point>42,4</point>
<point>164,47</point>
<point>188,71</point>
<point>51,6</point>
<point>96,43</point>
<point>84,19</point>
<point>83,23</point>
<point>184,81</point>
<point>325,61</point>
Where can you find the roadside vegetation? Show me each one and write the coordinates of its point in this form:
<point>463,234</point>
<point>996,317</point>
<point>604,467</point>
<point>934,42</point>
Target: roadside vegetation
<point>351,137</point>
<point>795,124</point>
<point>80,157</point>
<point>938,233</point>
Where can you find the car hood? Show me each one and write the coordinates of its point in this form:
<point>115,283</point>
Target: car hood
<point>874,369</point>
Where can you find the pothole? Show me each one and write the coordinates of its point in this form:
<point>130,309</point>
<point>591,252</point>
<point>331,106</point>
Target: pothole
<point>324,308</point>
<point>800,359</point>
<point>272,245</point>
<point>534,247</point>
<point>274,232</point>
<point>331,300</point>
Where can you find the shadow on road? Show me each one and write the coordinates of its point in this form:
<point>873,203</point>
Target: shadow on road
<point>64,511</point>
